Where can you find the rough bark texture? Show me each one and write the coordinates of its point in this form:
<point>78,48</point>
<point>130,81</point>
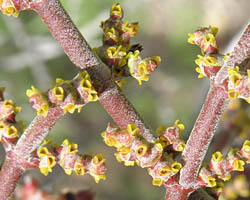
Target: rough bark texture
<point>36,131</point>
<point>9,176</point>
<point>66,33</point>
<point>202,135</point>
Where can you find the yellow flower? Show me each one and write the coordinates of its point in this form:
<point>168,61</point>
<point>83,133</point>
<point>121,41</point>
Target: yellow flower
<point>157,182</point>
<point>131,28</point>
<point>217,156</point>
<point>175,167</point>
<point>164,171</point>
<point>141,150</point>
<point>232,94</point>
<point>116,10</point>
<point>238,165</point>
<point>180,126</point>
<point>132,129</point>
<point>9,8</point>
<point>211,181</point>
<point>69,108</point>
<point>58,92</point>
<point>43,110</point>
<point>160,129</point>
<point>11,132</point>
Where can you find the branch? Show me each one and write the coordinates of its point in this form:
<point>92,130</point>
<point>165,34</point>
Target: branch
<point>210,114</point>
<point>37,131</point>
<point>9,176</point>
<point>202,135</point>
<point>79,52</point>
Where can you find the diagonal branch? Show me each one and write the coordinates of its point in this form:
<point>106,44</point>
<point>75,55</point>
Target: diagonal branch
<point>79,52</point>
<point>210,114</point>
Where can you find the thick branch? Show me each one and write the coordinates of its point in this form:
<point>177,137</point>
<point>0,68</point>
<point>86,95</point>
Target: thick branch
<point>66,33</point>
<point>202,135</point>
<point>210,114</point>
<point>122,112</point>
<point>9,176</point>
<point>37,131</point>
<point>79,52</point>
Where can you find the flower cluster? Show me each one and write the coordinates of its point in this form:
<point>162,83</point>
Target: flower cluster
<point>38,100</point>
<point>122,58</point>
<point>212,61</point>
<point>133,148</point>
<point>69,95</point>
<point>238,84</point>
<point>205,39</point>
<point>220,167</point>
<point>86,88</point>
<point>67,156</point>
<point>9,128</point>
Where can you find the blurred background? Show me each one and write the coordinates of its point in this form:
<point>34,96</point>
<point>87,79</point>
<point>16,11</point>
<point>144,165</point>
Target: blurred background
<point>30,56</point>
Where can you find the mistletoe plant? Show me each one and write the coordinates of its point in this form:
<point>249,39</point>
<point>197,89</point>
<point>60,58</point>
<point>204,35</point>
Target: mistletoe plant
<point>170,161</point>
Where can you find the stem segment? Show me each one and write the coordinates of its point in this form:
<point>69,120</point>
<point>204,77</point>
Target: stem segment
<point>202,135</point>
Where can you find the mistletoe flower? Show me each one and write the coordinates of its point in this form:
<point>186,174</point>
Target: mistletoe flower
<point>116,12</point>
<point>172,135</point>
<point>79,166</point>
<point>125,154</point>
<point>64,95</point>
<point>206,178</point>
<point>67,155</point>
<point>115,137</point>
<point>146,154</point>
<point>8,134</point>
<point>56,95</point>
<point>47,158</point>
<point>238,84</point>
<point>38,101</point>
<point>219,166</point>
<point>234,160</point>
<point>97,168</point>
<point>116,55</point>
<point>162,171</point>
<point>245,151</point>
<point>209,65</point>
<point>86,88</point>
<point>110,36</point>
<point>8,110</point>
<point>140,69</point>
<point>205,39</point>
<point>131,28</point>
<point>8,8</point>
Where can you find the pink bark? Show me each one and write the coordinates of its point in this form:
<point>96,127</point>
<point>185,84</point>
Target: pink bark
<point>201,135</point>
<point>176,193</point>
<point>66,33</point>
<point>10,174</point>
<point>36,131</point>
<point>122,112</point>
